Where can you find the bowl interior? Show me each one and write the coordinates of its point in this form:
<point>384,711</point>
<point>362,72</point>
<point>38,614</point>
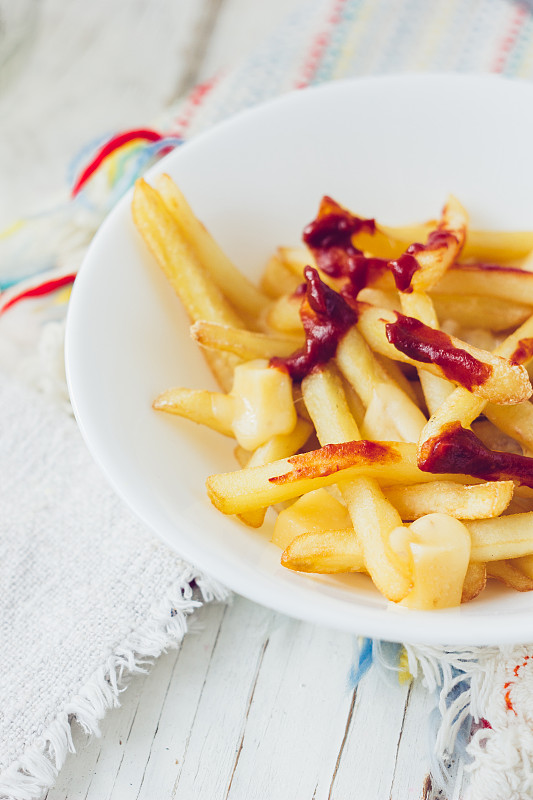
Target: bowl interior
<point>390,148</point>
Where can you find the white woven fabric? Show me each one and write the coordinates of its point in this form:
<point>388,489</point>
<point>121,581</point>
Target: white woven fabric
<point>86,591</point>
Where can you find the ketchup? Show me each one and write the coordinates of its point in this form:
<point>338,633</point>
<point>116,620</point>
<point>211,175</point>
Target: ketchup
<point>523,351</point>
<point>329,237</point>
<point>404,267</point>
<point>422,343</point>
<point>326,317</point>
<point>459,451</point>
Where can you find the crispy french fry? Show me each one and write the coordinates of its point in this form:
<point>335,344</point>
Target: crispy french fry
<point>476,311</point>
<point>511,575</point>
<point>214,409</point>
<point>242,294</point>
<point>464,406</point>
<point>438,547</point>
<point>280,446</point>
<point>326,552</point>
<point>243,343</point>
<point>311,513</point>
<point>486,246</point>
<point>474,582</point>
<point>389,462</point>
<point>373,383</point>
<point>373,517</point>
<point>515,421</point>
<point>432,260</point>
<point>502,381</point>
<point>284,314</point>
<point>278,279</point>
<point>200,297</point>
<point>479,501</point>
<point>436,389</point>
<point>510,536</point>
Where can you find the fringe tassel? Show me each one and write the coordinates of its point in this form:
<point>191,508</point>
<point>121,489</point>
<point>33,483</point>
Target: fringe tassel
<point>37,768</point>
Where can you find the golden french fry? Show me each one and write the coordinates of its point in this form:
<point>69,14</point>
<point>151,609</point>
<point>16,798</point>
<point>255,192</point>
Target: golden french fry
<point>372,383</point>
<point>511,575</point>
<point>474,582</point>
<point>284,314</point>
<point>485,246</point>
<point>326,552</point>
<point>235,286</point>
<point>199,295</point>
<point>280,446</point>
<point>278,279</point>
<point>488,376</point>
<point>388,462</point>
<point>464,406</point>
<point>439,551</point>
<point>243,343</point>
<point>510,536</point>
<point>421,266</point>
<point>479,501</point>
<point>373,517</point>
<point>477,311</point>
<point>311,513</point>
<point>436,389</point>
<point>263,403</point>
<point>214,409</point>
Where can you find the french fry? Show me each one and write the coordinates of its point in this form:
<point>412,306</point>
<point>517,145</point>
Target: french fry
<point>515,421</point>
<point>432,260</point>
<point>373,517</point>
<point>311,513</point>
<point>214,409</point>
<point>479,501</point>
<point>508,284</point>
<point>503,381</point>
<point>510,536</point>
<point>241,293</point>
<point>511,575</point>
<point>485,246</point>
<point>464,406</point>
<point>277,279</point>
<point>436,389</point>
<point>243,343</point>
<point>373,383</point>
<point>199,295</point>
<point>284,314</point>
<point>389,462</point>
<point>474,582</point>
<point>477,311</point>
<point>326,552</point>
<point>439,552</point>
<point>280,446</point>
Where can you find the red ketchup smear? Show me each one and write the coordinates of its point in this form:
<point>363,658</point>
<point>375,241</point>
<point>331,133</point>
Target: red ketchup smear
<point>329,237</point>
<point>404,267</point>
<point>523,351</point>
<point>326,317</point>
<point>458,451</point>
<point>422,343</point>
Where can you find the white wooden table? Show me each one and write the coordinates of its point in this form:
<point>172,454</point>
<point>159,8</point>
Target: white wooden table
<point>254,705</point>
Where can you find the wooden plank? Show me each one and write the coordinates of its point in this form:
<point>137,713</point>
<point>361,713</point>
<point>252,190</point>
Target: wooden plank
<point>116,765</point>
<point>224,704</point>
<point>295,725</point>
<point>366,768</point>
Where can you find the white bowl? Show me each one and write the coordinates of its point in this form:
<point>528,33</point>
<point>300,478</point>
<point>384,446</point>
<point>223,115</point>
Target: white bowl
<point>390,147</point>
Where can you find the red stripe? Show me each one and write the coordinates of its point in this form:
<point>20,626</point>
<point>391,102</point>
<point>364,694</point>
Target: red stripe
<point>42,289</point>
<point>509,39</point>
<point>110,147</point>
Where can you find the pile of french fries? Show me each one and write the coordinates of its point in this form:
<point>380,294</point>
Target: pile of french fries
<point>338,452</point>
